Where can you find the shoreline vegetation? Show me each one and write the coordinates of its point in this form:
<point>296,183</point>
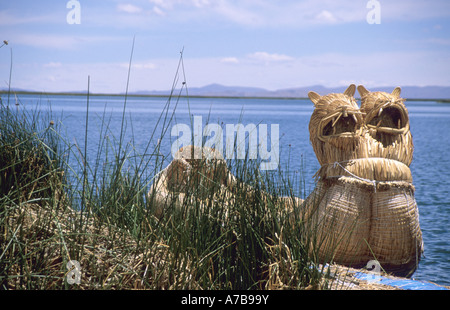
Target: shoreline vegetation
<point>79,93</point>
<point>73,221</point>
<point>57,208</point>
<point>70,221</point>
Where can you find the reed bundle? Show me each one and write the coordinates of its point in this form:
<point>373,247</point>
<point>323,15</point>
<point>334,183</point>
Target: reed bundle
<point>336,127</point>
<point>194,171</point>
<point>376,169</point>
<point>340,130</point>
<point>363,206</point>
<point>356,223</point>
<point>387,122</point>
<point>200,174</point>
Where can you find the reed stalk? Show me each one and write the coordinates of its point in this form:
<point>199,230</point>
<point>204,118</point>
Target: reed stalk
<point>58,206</point>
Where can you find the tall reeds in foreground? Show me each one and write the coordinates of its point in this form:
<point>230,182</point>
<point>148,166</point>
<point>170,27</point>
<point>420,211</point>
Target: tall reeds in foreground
<point>57,206</point>
<point>97,213</point>
<point>32,179</point>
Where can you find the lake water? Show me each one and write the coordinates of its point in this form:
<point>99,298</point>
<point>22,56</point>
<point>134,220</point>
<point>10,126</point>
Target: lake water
<point>430,126</point>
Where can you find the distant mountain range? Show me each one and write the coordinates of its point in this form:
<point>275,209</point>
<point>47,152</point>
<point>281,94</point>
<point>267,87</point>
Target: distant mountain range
<point>408,92</point>
<point>217,90</point>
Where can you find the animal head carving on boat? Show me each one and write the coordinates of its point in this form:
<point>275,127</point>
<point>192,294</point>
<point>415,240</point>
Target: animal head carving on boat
<point>336,127</point>
<point>364,204</point>
<point>373,142</point>
<point>387,121</point>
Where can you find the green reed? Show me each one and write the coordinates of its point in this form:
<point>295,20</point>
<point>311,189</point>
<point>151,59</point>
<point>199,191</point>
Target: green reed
<point>57,205</point>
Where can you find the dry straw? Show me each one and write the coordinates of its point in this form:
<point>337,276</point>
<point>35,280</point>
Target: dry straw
<point>201,175</point>
<point>336,127</point>
<point>387,121</point>
<point>363,206</point>
<point>187,172</point>
<point>356,224</point>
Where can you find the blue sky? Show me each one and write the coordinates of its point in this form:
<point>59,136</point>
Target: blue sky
<point>260,43</point>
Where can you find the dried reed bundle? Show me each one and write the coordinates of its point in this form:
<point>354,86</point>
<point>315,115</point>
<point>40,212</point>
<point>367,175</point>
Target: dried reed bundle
<point>51,237</point>
<point>338,216</point>
<point>387,122</point>
<point>396,238</point>
<point>197,171</point>
<point>373,169</point>
<point>363,206</point>
<point>336,127</point>
<point>199,166</point>
<point>356,223</point>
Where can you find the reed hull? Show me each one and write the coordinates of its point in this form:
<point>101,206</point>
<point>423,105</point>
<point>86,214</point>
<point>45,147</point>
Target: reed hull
<point>355,223</point>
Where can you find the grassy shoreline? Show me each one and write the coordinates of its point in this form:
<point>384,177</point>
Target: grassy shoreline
<point>98,214</point>
<point>53,212</point>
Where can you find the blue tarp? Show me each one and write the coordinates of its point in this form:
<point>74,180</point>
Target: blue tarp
<point>405,284</point>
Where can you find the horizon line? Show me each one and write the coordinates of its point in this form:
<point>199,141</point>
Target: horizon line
<point>240,92</point>
<point>134,94</point>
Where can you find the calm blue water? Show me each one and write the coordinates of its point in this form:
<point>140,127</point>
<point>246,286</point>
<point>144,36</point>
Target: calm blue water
<point>430,126</point>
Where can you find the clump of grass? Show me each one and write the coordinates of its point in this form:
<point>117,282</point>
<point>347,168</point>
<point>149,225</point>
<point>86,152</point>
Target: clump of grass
<point>53,210</point>
<point>105,222</point>
<point>31,177</point>
<point>30,154</point>
<point>248,242</point>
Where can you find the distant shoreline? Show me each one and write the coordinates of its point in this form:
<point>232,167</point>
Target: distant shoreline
<point>3,92</point>
<point>148,95</point>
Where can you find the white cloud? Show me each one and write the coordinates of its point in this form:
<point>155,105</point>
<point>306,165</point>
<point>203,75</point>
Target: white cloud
<point>291,14</point>
<point>158,11</point>
<point>52,65</point>
<point>263,13</point>
<point>171,4</point>
<point>48,41</point>
<point>326,17</point>
<point>439,41</point>
<point>166,4</point>
<point>201,3</point>
<point>328,69</point>
<point>230,60</point>
<point>140,65</point>
<point>240,14</point>
<point>267,57</point>
<point>162,6</point>
<point>10,18</point>
<point>59,41</point>
<point>128,8</point>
